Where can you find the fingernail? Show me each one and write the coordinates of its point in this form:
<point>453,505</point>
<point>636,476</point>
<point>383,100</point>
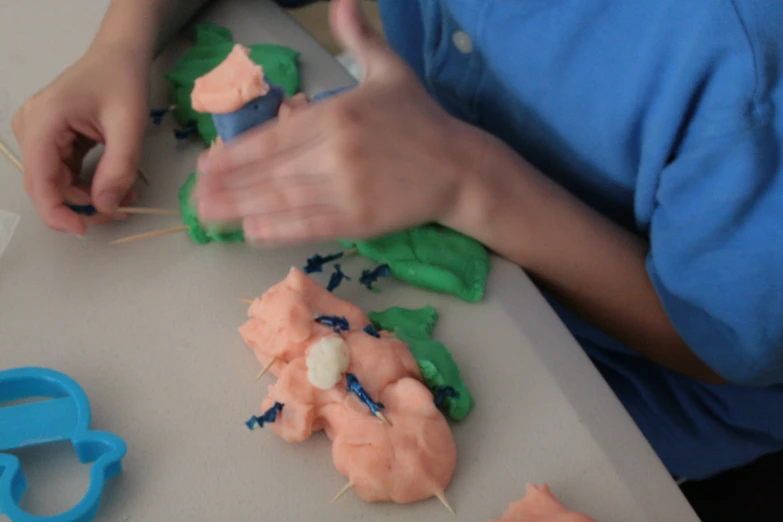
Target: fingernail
<point>109,199</point>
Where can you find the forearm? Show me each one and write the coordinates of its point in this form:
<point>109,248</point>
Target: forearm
<point>590,264</point>
<point>144,26</point>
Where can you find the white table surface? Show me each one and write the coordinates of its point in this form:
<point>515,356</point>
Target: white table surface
<point>149,330</point>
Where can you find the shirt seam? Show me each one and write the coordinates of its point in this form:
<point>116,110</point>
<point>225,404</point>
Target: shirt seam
<point>751,47</point>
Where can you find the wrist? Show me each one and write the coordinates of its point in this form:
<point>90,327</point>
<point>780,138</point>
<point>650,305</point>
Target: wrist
<point>492,202</point>
<point>130,27</point>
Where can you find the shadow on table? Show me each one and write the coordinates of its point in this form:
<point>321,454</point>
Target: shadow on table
<point>748,494</point>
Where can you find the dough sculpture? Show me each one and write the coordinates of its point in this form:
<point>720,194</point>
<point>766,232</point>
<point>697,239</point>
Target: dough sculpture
<point>314,339</point>
<point>237,96</point>
<point>213,45</point>
<point>221,89</point>
<point>540,505</point>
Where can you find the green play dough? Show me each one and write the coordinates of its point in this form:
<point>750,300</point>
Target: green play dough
<point>436,364</point>
<point>197,230</point>
<point>213,43</point>
<point>432,257</point>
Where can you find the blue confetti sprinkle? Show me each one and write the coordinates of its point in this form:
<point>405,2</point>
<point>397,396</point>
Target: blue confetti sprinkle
<point>317,262</point>
<point>84,210</point>
<point>338,324</point>
<point>337,278</point>
<point>370,329</point>
<point>269,415</point>
<point>157,115</point>
<point>369,277</point>
<point>355,387</point>
<point>442,393</point>
<point>187,132</point>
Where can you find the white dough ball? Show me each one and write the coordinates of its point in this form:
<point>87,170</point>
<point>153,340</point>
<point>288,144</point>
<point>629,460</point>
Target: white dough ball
<point>327,360</point>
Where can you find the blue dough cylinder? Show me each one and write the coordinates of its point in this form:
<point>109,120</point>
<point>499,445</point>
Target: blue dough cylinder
<point>252,114</point>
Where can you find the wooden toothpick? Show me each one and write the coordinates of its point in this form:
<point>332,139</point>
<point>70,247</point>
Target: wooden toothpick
<point>124,210</point>
<point>383,418</point>
<point>266,367</point>
<point>244,300</point>
<point>342,492</point>
<point>440,496</point>
<point>146,235</point>
<point>10,155</point>
<point>157,211</point>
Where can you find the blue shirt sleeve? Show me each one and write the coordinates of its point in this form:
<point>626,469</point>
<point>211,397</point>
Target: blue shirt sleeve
<point>716,229</point>
<point>716,256</point>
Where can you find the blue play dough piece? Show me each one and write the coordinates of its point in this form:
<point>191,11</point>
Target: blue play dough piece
<point>370,330</point>
<point>355,387</point>
<point>252,114</point>
<point>338,324</point>
<point>336,278</point>
<point>64,416</point>
<point>85,210</point>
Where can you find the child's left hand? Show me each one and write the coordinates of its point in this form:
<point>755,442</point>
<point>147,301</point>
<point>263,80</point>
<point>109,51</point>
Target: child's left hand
<point>378,158</point>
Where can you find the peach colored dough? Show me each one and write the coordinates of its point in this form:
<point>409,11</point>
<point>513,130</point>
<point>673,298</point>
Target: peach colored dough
<point>540,505</point>
<point>412,460</point>
<point>282,323</point>
<point>230,85</point>
<point>302,401</point>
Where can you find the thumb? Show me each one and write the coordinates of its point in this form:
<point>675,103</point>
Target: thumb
<point>117,168</point>
<point>358,37</point>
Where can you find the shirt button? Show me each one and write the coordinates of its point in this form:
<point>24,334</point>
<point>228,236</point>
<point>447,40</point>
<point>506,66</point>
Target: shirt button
<point>462,42</point>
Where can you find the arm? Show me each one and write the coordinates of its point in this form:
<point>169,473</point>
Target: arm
<point>144,25</point>
<point>147,25</point>
<point>596,268</point>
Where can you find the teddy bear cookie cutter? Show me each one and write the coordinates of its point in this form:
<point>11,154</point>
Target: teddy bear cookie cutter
<point>64,415</point>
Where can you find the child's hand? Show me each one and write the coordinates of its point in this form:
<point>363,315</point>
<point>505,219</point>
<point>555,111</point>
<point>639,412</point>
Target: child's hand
<point>378,158</point>
<point>99,99</point>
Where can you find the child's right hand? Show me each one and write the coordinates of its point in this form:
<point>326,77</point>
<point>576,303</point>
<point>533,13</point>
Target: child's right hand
<point>99,99</point>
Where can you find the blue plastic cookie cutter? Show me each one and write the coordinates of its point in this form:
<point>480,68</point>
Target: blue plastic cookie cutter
<point>65,416</point>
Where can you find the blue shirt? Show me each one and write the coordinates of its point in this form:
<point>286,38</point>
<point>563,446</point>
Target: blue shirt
<point>665,116</point>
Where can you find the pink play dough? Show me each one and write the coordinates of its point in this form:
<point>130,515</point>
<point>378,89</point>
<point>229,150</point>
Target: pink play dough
<point>231,85</point>
<point>411,460</point>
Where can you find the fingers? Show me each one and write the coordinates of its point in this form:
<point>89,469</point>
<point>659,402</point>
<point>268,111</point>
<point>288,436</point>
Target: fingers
<point>46,176</point>
<point>292,105</point>
<point>48,198</point>
<point>351,28</point>
<point>267,143</point>
<point>266,196</point>
<point>294,226</point>
<point>118,168</point>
